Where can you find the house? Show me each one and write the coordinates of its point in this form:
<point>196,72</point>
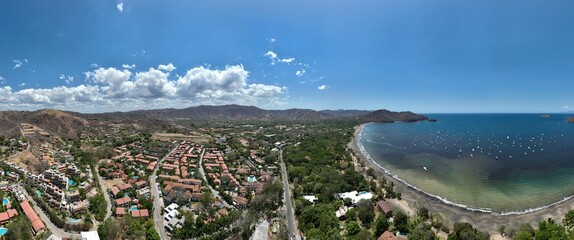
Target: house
<point>240,201</point>
<point>140,184</point>
<point>310,198</point>
<point>37,224</point>
<point>387,236</point>
<point>115,190</point>
<point>120,212</point>
<point>356,196</point>
<point>382,205</point>
<point>140,213</point>
<point>93,235</point>
<point>6,216</point>
<point>123,201</point>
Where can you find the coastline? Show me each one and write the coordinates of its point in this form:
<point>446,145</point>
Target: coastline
<point>483,219</point>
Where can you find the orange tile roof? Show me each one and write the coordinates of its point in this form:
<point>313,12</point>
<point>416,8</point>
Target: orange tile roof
<point>37,224</point>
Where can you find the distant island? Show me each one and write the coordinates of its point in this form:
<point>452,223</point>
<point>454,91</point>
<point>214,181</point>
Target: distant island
<point>570,120</point>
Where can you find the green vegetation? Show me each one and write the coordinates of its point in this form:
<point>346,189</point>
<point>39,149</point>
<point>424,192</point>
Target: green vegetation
<point>98,207</point>
<point>127,228</point>
<point>19,228</point>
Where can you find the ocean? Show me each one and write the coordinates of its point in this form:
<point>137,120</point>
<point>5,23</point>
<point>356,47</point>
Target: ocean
<point>500,163</point>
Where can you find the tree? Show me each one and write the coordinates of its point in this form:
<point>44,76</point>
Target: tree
<point>569,219</point>
<point>422,232</point>
<point>19,228</point>
<point>353,228</point>
<point>549,229</point>
<point>401,222</point>
<point>465,231</point>
<point>366,212</point>
<point>381,225</point>
<point>206,200</point>
<point>501,230</point>
<point>109,230</point>
<point>98,207</point>
<point>423,213</point>
<point>525,232</point>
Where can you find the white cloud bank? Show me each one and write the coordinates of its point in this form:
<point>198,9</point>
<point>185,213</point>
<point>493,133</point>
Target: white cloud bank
<point>113,89</point>
<point>322,87</point>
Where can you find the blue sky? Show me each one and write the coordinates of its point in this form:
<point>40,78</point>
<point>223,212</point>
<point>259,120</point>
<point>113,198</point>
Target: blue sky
<point>423,56</point>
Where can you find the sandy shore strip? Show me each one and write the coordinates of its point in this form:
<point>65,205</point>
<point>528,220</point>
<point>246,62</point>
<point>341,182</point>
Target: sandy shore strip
<point>490,222</point>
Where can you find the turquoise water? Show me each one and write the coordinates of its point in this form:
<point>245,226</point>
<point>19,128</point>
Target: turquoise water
<point>133,208</point>
<point>71,182</point>
<point>74,220</point>
<point>5,201</point>
<point>3,231</point>
<point>126,194</point>
<point>38,193</point>
<point>251,179</point>
<point>135,177</point>
<point>507,163</point>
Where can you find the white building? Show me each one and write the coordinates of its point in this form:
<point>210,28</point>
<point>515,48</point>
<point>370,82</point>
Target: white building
<point>93,235</point>
<point>172,218</point>
<point>356,196</point>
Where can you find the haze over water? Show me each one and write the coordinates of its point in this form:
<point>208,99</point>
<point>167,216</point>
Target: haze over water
<point>494,162</point>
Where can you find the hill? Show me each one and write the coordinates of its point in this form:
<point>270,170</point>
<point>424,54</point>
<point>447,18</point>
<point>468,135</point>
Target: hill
<point>68,124</point>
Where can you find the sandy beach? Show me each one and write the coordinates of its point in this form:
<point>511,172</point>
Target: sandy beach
<point>490,222</point>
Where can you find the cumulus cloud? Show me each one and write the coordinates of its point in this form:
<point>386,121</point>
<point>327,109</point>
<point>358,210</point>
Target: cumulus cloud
<point>127,66</point>
<point>322,87</point>
<point>67,79</point>
<point>168,67</point>
<point>120,7</point>
<point>112,89</point>
<point>17,63</point>
<point>300,73</point>
<point>2,80</point>
<point>272,40</point>
<point>566,107</point>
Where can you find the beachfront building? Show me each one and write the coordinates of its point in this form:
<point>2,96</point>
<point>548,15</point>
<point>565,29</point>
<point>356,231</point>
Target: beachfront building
<point>356,196</point>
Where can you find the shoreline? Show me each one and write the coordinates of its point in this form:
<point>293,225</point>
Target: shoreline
<point>482,219</point>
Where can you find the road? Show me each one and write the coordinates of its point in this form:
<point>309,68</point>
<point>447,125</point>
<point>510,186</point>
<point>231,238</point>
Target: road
<point>214,193</point>
<point>106,196</point>
<point>157,200</point>
<point>293,232</point>
<point>53,228</point>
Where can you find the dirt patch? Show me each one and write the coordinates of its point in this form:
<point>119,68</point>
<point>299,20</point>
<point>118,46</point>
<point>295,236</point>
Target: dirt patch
<point>115,182</point>
<point>181,137</point>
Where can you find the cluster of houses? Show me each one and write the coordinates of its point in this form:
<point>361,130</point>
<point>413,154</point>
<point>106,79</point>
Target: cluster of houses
<point>55,186</point>
<point>10,213</point>
<point>239,181</point>
<point>179,174</point>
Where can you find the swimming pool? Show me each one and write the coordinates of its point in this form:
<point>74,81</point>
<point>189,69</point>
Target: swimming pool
<point>134,208</point>
<point>38,193</point>
<point>5,201</point>
<point>135,177</point>
<point>251,178</point>
<point>74,220</point>
<point>126,194</point>
<point>71,182</point>
<point>3,231</point>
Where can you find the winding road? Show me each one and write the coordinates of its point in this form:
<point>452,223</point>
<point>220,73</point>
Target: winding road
<point>214,193</point>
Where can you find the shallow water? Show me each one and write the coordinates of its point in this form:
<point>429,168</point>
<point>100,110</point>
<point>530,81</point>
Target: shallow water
<point>492,162</point>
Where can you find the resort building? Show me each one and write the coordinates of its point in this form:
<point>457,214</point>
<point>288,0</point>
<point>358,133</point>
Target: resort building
<point>37,224</point>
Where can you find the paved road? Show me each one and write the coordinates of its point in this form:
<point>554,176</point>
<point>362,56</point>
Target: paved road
<point>107,197</point>
<point>214,193</point>
<point>287,200</point>
<point>53,228</point>
<point>157,200</point>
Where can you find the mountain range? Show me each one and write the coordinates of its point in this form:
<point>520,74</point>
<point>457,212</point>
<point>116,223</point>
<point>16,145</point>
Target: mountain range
<point>68,123</point>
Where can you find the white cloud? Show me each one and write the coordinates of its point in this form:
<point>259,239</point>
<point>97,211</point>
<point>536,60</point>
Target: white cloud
<point>272,40</point>
<point>22,84</point>
<point>322,87</point>
<point>2,80</point>
<point>113,89</point>
<point>127,66</point>
<point>17,63</point>
<point>120,7</point>
<point>566,107</point>
<point>287,60</point>
<point>300,73</point>
<point>167,68</point>
<point>94,65</point>
<point>67,79</point>
<point>272,55</point>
